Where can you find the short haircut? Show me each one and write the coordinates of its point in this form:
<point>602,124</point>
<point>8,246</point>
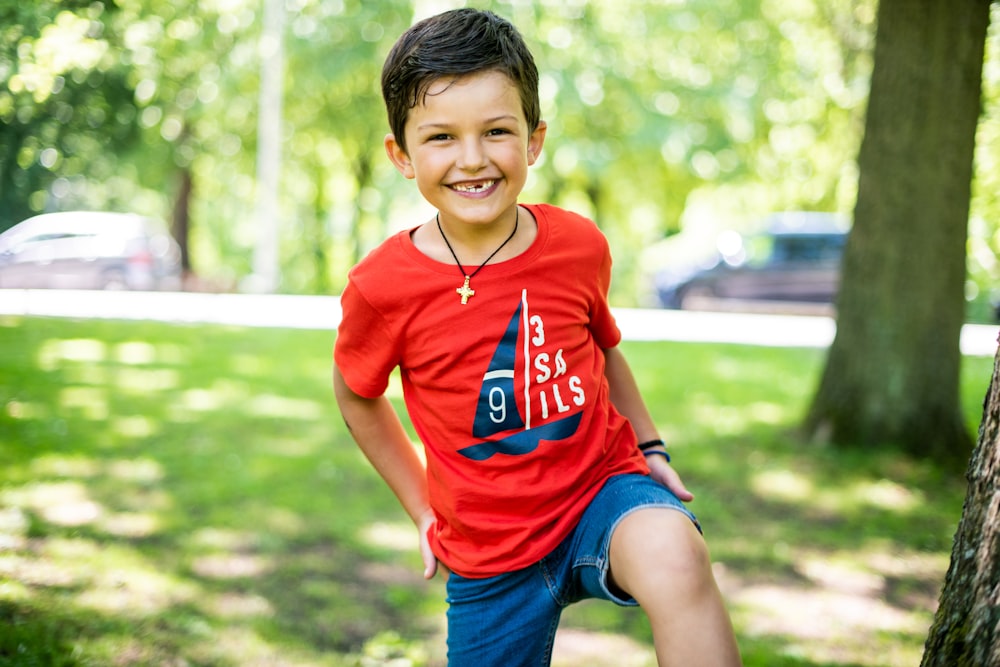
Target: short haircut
<point>451,45</point>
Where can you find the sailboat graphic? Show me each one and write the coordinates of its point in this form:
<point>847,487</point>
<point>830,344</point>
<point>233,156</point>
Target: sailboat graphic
<point>497,412</point>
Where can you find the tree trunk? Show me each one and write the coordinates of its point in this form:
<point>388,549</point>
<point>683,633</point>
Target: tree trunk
<point>965,632</point>
<point>363,171</point>
<point>892,373</point>
<point>180,225</point>
<point>318,237</point>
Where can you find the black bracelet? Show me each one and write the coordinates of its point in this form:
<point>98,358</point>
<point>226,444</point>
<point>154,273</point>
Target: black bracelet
<point>643,446</point>
<point>661,452</point>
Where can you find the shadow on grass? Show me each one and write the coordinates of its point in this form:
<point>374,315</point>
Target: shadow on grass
<point>187,495</point>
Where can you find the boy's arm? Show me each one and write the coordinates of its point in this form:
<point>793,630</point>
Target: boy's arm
<point>628,401</point>
<point>376,428</point>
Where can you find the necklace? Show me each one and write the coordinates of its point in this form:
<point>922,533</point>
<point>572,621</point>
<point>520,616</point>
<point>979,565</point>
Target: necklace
<point>465,291</point>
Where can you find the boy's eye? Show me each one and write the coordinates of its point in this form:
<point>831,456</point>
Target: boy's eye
<point>439,137</point>
<point>498,131</point>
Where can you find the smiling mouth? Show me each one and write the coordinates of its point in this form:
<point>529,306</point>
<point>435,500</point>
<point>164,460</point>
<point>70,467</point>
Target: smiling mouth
<point>473,188</point>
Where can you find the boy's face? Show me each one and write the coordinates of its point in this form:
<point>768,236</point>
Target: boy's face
<point>469,148</point>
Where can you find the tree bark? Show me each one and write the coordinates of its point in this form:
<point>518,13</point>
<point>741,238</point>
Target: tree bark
<point>318,237</point>
<point>965,631</point>
<point>180,224</point>
<point>892,372</point>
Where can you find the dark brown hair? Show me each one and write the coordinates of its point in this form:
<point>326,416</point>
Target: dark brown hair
<point>454,44</point>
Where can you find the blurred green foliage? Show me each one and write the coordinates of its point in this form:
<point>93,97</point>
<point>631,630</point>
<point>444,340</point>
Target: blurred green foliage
<point>663,115</point>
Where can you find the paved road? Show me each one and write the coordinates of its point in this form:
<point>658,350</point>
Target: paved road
<point>323,312</point>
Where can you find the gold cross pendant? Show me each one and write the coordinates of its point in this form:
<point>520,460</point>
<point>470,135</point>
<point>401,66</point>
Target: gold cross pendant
<point>465,291</point>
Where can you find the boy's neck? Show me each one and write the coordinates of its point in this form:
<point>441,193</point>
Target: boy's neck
<point>473,245</point>
<point>494,253</point>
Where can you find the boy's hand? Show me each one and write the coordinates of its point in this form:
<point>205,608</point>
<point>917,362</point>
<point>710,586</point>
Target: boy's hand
<point>665,474</point>
<point>427,521</point>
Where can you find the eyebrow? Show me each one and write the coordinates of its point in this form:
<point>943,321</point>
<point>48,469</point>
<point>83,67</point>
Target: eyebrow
<point>488,121</point>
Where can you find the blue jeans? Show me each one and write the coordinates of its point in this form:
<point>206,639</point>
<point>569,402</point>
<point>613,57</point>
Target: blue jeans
<point>510,620</point>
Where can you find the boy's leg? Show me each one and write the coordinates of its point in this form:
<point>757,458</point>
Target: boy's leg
<point>504,621</point>
<point>659,558</point>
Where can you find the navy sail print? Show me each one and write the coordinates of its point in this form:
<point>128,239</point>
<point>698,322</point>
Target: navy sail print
<point>497,410</point>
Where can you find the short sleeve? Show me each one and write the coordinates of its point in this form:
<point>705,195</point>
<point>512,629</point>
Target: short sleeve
<point>602,321</point>
<point>365,350</point>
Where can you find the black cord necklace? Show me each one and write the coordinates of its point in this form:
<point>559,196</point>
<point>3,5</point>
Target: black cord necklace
<point>465,291</point>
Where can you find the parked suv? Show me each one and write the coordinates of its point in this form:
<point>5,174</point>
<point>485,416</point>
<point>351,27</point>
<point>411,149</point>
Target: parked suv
<point>89,250</point>
<point>795,260</point>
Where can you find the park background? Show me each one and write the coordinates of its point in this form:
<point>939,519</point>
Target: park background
<point>257,134</point>
<point>184,494</point>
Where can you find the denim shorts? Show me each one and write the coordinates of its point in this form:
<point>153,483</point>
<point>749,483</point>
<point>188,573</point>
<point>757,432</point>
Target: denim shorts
<point>510,620</point>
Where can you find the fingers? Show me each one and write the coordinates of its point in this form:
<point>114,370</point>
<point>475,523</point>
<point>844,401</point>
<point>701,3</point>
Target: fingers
<point>430,566</point>
<point>664,473</point>
<point>426,522</point>
<point>681,491</point>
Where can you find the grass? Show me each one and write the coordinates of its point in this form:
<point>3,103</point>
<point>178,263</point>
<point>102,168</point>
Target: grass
<point>187,495</point>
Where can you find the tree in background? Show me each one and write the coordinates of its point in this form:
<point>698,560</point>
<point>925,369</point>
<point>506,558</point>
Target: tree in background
<point>64,99</point>
<point>702,115</point>
<point>120,106</point>
<point>892,373</point>
<point>965,632</point>
<point>652,102</point>
<point>339,202</point>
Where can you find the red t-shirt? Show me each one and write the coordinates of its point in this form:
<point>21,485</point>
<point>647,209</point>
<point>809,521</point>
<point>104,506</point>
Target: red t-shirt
<point>507,392</point>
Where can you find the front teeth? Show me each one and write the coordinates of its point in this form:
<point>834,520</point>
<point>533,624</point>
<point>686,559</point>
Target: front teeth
<point>478,187</point>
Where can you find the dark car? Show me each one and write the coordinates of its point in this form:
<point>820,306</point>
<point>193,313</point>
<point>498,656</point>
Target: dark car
<point>796,260</point>
<point>89,250</point>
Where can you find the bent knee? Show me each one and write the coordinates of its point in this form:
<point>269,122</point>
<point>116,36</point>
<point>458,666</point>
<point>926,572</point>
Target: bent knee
<point>656,548</point>
<point>661,531</point>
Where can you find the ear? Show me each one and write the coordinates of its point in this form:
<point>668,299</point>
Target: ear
<point>398,156</point>
<point>535,142</point>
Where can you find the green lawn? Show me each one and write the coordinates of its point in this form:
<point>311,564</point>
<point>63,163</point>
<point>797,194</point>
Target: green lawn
<point>187,495</point>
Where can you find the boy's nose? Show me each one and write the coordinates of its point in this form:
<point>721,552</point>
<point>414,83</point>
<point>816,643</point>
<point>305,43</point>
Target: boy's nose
<point>472,156</point>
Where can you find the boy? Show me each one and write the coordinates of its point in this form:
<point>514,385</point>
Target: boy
<point>536,492</point>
